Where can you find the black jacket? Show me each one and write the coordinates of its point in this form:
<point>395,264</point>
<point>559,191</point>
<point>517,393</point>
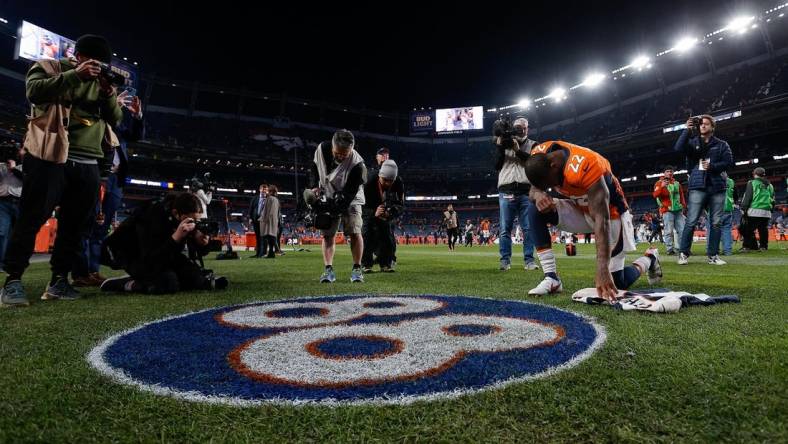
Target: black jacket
<point>720,159</point>
<point>394,197</point>
<point>145,240</point>
<point>254,208</point>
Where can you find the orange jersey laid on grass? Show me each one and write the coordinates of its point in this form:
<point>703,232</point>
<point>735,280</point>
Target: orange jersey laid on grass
<point>583,169</point>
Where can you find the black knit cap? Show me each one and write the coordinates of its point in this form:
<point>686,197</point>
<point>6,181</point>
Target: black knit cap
<point>95,47</point>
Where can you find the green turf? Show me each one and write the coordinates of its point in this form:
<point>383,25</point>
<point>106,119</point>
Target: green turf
<point>705,374</point>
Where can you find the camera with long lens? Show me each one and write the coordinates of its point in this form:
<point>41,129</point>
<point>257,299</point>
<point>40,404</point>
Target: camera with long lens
<point>112,77</point>
<point>207,227</point>
<point>322,209</point>
<point>504,129</point>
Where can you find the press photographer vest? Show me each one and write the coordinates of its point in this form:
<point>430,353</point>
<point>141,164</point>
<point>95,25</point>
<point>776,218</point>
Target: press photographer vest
<point>762,198</point>
<point>334,181</point>
<point>513,170</point>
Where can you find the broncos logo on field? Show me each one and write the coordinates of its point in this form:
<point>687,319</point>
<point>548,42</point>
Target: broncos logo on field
<point>352,349</point>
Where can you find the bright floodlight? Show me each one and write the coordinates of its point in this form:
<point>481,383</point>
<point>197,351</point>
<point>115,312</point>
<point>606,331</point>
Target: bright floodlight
<point>640,62</point>
<point>685,44</point>
<point>524,103</point>
<point>739,24</point>
<point>557,94</point>
<point>593,80</point>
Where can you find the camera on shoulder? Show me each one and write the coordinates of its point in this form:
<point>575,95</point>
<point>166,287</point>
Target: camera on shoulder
<point>504,129</point>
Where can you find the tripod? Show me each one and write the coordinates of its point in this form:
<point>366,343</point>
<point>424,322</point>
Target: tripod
<point>229,254</point>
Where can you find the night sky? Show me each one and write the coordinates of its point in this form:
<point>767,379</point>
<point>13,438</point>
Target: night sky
<point>384,57</point>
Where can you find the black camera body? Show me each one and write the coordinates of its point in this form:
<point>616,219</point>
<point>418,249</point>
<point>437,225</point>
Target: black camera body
<point>504,129</point>
<point>207,227</point>
<point>390,205</point>
<point>324,211</point>
<point>111,76</point>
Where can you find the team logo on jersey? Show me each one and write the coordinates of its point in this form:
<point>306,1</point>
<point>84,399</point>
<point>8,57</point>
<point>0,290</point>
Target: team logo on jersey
<point>347,349</point>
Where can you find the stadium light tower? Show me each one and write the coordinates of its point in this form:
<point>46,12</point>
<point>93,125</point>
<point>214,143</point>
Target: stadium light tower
<point>524,103</point>
<point>685,44</point>
<point>558,94</point>
<point>593,80</point>
<point>739,25</point>
<point>640,62</point>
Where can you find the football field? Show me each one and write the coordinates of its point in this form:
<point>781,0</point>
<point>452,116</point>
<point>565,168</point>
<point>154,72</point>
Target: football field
<point>704,374</point>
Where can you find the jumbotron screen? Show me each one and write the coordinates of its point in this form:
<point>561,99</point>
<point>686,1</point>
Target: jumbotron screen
<point>459,119</point>
<point>36,43</point>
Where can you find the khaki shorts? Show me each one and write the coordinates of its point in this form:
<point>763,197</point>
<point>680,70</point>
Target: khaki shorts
<point>351,222</point>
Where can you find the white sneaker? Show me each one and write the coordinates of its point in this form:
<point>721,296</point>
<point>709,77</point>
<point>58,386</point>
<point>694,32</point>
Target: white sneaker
<point>547,286</point>
<point>682,259</point>
<point>715,260</point>
<point>530,266</point>
<point>655,271</point>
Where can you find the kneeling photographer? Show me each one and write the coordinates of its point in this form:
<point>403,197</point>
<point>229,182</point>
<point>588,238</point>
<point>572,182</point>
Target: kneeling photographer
<point>150,243</point>
<point>384,200</point>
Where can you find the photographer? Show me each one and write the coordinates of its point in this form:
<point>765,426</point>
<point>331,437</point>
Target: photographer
<point>149,246</point>
<point>671,204</point>
<point>452,226</point>
<point>384,196</point>
<point>77,97</point>
<point>336,180</point>
<point>707,158</point>
<point>131,129</point>
<point>756,207</point>
<point>513,149</point>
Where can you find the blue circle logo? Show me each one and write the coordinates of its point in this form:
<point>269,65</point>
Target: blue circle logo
<point>357,349</point>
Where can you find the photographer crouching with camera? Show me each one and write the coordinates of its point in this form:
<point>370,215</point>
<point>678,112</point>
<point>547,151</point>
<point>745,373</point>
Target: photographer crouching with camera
<point>384,196</point>
<point>336,180</point>
<point>513,148</point>
<point>74,103</point>
<point>149,246</point>
<point>707,158</point>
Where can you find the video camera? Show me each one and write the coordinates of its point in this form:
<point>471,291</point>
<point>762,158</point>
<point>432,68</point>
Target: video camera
<point>205,184</point>
<point>111,76</point>
<point>504,129</point>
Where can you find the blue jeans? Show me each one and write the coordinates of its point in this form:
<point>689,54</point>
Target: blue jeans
<point>672,219</point>
<point>698,200</point>
<point>509,208</point>
<point>90,253</point>
<point>9,213</point>
<point>726,235</point>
